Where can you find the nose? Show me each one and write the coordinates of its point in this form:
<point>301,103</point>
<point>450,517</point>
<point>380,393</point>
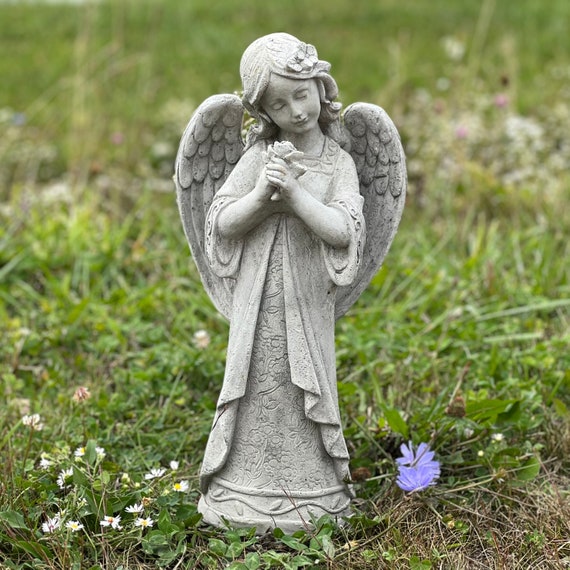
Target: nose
<point>296,111</point>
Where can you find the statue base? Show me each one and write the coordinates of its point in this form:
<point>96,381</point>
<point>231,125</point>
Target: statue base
<point>228,504</point>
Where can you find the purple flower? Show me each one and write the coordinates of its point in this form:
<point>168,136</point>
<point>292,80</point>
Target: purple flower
<point>417,469</point>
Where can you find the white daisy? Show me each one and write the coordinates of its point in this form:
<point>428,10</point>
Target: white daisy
<point>174,465</point>
<point>180,487</point>
<point>136,508</point>
<point>79,452</point>
<point>144,523</point>
<point>74,526</point>
<point>51,524</point>
<point>113,522</point>
<point>64,475</point>
<point>45,463</point>
<point>155,473</point>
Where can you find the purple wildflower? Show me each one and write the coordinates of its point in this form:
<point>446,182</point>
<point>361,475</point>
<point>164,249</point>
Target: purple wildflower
<point>418,469</point>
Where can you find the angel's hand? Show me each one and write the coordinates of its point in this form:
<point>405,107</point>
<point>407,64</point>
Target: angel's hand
<point>281,176</point>
<point>264,188</point>
<point>264,194</point>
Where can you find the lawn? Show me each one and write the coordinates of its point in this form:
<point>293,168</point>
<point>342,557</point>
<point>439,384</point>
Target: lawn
<point>461,340</point>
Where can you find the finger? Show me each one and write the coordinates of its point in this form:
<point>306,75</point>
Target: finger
<point>276,169</point>
<point>277,160</point>
<point>273,179</point>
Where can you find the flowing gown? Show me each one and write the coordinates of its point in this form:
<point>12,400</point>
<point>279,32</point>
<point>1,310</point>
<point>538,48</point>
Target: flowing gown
<point>276,455</point>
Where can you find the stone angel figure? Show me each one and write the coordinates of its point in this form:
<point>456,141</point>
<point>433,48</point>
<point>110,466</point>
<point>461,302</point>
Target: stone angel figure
<point>286,229</point>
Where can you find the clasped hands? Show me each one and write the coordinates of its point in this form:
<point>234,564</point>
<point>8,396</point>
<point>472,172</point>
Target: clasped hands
<point>283,179</point>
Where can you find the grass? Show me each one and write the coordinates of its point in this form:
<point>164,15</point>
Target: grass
<point>461,339</point>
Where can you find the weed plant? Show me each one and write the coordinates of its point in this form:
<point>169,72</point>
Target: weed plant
<point>112,356</point>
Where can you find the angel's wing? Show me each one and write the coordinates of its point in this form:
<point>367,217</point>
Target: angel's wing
<point>381,165</point>
<point>209,149</point>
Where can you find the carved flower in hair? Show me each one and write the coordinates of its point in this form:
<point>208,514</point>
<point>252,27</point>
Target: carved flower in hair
<point>304,59</point>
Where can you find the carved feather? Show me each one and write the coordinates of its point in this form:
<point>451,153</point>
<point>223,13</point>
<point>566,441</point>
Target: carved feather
<point>374,144</point>
<point>210,148</point>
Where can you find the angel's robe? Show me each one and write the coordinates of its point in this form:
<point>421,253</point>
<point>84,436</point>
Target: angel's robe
<point>308,273</point>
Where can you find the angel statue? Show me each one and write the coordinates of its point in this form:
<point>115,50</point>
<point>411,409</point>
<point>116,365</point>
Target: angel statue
<point>286,229</point>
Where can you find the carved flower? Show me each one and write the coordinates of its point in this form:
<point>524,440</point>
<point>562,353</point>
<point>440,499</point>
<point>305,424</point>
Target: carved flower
<point>304,59</point>
<point>286,151</point>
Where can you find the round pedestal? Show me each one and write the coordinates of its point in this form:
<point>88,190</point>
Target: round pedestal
<point>266,509</point>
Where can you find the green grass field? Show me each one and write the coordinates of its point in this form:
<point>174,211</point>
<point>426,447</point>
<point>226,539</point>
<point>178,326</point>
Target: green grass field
<point>460,341</point>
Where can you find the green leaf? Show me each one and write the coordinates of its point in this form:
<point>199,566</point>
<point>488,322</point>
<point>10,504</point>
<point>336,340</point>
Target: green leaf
<point>301,560</point>
<point>293,543</point>
<point>235,549</point>
<point>80,478</point>
<point>35,549</point>
<point>252,561</point>
<point>217,546</point>
<point>395,421</point>
<point>164,522</point>
<point>560,408</point>
<point>13,519</point>
<point>529,470</point>
<point>511,415</point>
<point>361,521</point>
<point>417,564</point>
<point>328,546</point>
<point>487,410</point>
<point>157,538</point>
<point>90,456</point>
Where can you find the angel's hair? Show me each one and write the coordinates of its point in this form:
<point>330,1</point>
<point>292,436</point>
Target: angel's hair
<point>284,55</point>
<point>329,121</point>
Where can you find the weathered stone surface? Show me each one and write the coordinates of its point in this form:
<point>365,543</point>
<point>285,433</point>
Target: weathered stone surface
<point>286,231</point>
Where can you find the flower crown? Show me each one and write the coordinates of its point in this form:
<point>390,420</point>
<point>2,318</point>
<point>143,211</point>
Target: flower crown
<point>304,59</point>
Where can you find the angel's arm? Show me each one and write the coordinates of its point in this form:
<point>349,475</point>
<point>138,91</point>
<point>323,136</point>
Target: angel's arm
<point>326,222</point>
<point>254,205</point>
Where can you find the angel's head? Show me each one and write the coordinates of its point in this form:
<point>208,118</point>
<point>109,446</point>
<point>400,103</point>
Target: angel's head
<point>287,57</point>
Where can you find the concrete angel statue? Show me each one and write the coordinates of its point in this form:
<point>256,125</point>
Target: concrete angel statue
<point>286,229</point>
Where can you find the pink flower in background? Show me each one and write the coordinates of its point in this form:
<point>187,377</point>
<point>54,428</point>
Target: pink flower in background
<point>501,100</point>
<point>117,138</point>
<point>461,132</point>
<point>81,394</point>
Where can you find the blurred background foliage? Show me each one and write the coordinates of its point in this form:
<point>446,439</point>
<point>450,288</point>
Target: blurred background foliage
<point>102,82</point>
<point>461,339</point>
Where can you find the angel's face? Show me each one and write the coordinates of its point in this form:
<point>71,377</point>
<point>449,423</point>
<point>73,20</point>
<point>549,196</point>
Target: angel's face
<point>294,105</point>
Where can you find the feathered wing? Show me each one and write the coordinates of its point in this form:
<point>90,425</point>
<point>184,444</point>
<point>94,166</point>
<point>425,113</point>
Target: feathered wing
<point>210,147</point>
<point>377,152</point>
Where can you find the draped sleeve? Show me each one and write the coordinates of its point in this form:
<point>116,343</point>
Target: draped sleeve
<point>342,263</point>
<point>224,255</point>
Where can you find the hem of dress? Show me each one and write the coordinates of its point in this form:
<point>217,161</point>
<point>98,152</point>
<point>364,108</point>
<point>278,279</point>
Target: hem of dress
<point>226,504</point>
